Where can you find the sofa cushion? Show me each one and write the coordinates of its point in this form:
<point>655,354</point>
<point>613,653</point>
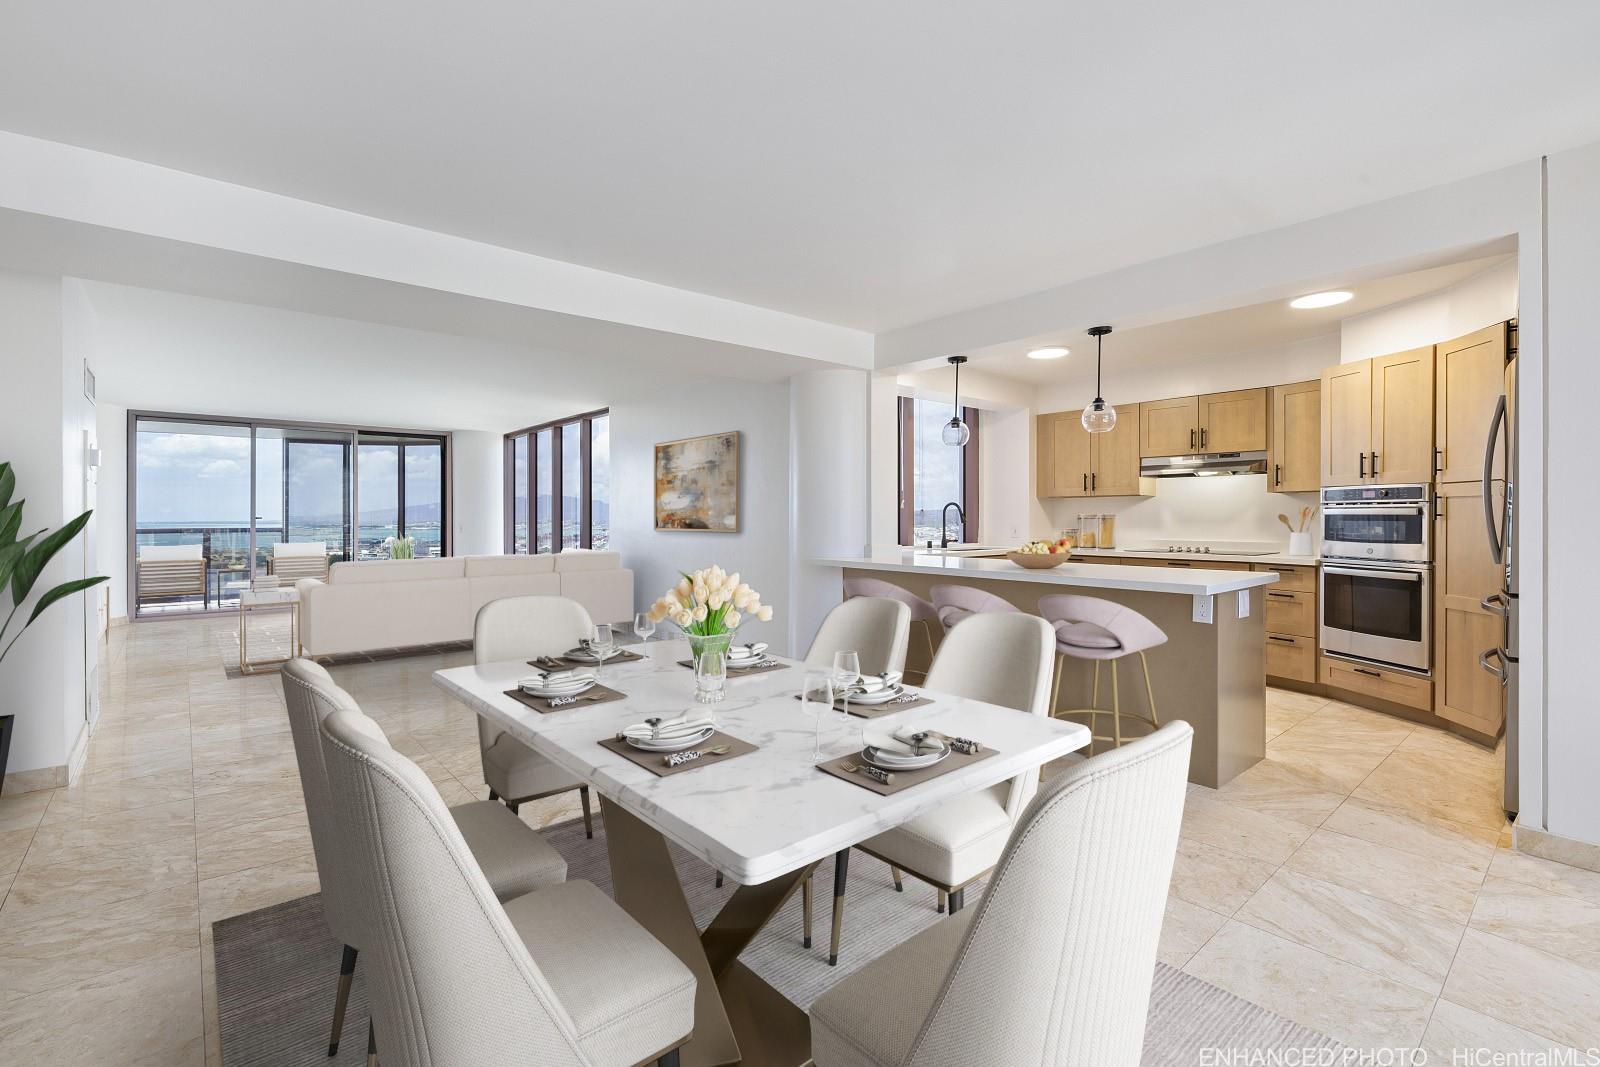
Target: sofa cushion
<point>481,590</point>
<point>396,570</point>
<point>583,559</point>
<point>494,566</point>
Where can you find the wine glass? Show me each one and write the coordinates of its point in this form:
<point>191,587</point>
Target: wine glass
<point>816,698</point>
<point>846,673</point>
<point>602,641</point>
<point>643,627</point>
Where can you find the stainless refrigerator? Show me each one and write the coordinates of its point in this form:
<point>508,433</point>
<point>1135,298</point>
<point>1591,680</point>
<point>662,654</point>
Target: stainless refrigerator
<point>1500,518</point>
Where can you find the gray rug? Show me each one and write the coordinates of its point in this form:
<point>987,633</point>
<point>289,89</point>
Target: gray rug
<point>277,967</point>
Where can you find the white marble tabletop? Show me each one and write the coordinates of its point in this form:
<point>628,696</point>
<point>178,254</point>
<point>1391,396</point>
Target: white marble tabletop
<point>760,815</point>
<point>1196,582</point>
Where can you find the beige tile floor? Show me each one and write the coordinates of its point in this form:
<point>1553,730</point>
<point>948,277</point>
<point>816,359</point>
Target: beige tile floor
<point>1358,881</point>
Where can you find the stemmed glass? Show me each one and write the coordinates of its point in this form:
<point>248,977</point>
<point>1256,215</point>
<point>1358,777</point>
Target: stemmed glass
<point>643,627</point>
<point>603,641</point>
<point>846,673</point>
<point>816,697</point>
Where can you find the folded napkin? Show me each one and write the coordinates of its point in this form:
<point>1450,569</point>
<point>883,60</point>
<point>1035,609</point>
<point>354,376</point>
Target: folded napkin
<point>667,729</point>
<point>900,743</point>
<point>750,651</point>
<point>875,683</point>
<point>546,679</point>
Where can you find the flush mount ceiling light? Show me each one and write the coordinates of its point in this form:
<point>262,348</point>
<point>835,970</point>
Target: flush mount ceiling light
<point>1321,300</point>
<point>1098,416</point>
<point>956,433</point>
<point>1049,352</point>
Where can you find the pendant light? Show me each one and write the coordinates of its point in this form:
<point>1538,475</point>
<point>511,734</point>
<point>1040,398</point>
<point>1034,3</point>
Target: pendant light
<point>1098,416</point>
<point>956,433</point>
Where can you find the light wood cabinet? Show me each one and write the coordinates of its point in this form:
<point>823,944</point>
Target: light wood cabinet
<point>1402,417</point>
<point>1397,687</point>
<point>1290,612</point>
<point>1290,578</point>
<point>1463,575</point>
<point>1469,378</point>
<point>1291,622</point>
<point>1377,420</point>
<point>1291,657</point>
<point>1346,422</point>
<point>1234,421</point>
<point>1169,427</point>
<point>1072,462</point>
<point>1295,440</point>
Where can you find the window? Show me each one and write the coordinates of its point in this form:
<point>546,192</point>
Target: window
<point>933,474</point>
<point>558,484</point>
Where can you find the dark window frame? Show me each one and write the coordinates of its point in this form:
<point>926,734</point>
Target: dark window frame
<point>585,424</point>
<point>906,522</point>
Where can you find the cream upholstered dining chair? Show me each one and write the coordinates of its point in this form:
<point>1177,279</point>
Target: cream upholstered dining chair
<point>998,658</point>
<point>560,977</point>
<point>923,613</point>
<point>957,602</point>
<point>525,628</point>
<point>1053,967</point>
<point>514,858</point>
<point>1100,630</point>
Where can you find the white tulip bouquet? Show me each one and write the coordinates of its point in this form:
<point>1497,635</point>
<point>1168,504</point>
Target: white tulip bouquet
<point>710,602</point>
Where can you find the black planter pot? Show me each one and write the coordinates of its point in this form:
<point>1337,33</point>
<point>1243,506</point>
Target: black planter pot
<point>6,722</point>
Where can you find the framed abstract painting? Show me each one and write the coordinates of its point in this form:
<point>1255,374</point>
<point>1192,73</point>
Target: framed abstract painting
<point>697,483</point>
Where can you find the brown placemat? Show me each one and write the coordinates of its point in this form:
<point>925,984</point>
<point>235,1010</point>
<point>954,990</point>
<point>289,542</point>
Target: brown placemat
<point>902,779</point>
<point>656,762</point>
<point>623,656</point>
<point>595,694</point>
<point>873,711</point>
<point>741,672</point>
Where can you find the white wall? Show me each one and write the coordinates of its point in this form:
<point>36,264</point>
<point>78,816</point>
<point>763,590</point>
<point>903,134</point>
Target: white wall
<point>830,486</point>
<point>760,550</point>
<point>1488,297</point>
<point>41,681</point>
<point>111,507</point>
<point>477,485</point>
<point>1571,508</point>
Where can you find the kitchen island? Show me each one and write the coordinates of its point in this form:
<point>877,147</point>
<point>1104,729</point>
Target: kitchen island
<point>1210,673</point>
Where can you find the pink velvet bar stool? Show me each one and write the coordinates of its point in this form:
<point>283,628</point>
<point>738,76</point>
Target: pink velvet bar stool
<point>956,602</point>
<point>921,611</point>
<point>1094,629</point>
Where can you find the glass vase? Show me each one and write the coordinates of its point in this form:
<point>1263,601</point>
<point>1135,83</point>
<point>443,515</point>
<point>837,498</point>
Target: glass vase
<point>709,653</point>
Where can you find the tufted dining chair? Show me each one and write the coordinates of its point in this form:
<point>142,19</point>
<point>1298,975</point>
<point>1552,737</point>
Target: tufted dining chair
<point>560,977</point>
<point>1054,965</point>
<point>525,628</point>
<point>514,858</point>
<point>998,658</point>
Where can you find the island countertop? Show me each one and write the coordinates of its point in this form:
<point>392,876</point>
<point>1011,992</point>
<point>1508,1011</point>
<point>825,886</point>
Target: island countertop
<point>1188,582</point>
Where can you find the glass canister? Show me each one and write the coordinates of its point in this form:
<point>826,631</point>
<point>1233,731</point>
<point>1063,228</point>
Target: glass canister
<point>1089,528</point>
<point>1108,531</point>
<point>1070,534</point>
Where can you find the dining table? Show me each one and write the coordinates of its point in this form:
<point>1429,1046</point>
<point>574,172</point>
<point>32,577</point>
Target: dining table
<point>764,819</point>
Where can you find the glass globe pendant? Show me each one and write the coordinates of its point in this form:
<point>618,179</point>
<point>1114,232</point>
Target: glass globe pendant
<point>1098,416</point>
<point>956,433</point>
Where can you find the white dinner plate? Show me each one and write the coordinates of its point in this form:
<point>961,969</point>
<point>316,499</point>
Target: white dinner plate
<point>677,744</point>
<point>881,696</point>
<point>585,656</point>
<point>745,663</point>
<point>891,762</point>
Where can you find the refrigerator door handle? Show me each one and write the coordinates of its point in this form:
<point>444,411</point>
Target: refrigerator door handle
<point>1496,546</point>
<point>1496,604</point>
<point>1483,661</point>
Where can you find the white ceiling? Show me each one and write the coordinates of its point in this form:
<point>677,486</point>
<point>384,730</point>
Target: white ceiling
<point>865,164</point>
<point>1224,333</point>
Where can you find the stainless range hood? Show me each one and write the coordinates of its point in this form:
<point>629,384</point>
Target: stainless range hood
<point>1205,466</point>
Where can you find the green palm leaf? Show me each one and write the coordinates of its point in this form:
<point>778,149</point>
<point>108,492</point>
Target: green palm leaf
<point>65,589</point>
<point>10,554</point>
<point>10,521</point>
<point>8,484</point>
<point>34,561</point>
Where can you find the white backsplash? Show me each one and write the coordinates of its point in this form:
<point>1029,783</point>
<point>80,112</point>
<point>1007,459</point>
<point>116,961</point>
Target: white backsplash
<point>1234,508</point>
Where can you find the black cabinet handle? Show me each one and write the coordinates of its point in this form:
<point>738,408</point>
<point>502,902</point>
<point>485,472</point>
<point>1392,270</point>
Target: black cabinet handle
<point>1363,464</point>
<point>1277,474</point>
<point>1363,670</point>
<point>1275,637</point>
<point>1191,437</point>
<point>1175,563</point>
<point>1202,437</point>
<point>1085,483</point>
<point>1374,464</point>
<point>1438,456</point>
<point>1094,481</point>
<point>1286,596</point>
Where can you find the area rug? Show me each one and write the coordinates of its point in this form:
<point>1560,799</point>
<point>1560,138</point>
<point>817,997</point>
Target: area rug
<point>277,967</point>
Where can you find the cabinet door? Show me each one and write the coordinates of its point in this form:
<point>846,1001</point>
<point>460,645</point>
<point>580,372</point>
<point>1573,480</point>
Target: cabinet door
<point>1463,575</point>
<point>1402,417</point>
<point>1069,455</point>
<point>1296,439</point>
<point>1346,422</point>
<point>1169,427</point>
<point>1469,377</point>
<point>1115,455</point>
<point>1234,421</point>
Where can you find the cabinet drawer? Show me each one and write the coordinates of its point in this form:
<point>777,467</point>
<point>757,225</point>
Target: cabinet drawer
<point>1290,612</point>
<point>1292,657</point>
<point>1202,564</point>
<point>1395,686</point>
<point>1303,579</point>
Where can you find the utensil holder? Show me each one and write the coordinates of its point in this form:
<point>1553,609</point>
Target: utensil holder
<point>1300,544</point>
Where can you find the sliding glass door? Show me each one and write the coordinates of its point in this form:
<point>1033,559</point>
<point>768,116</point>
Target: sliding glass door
<point>401,494</point>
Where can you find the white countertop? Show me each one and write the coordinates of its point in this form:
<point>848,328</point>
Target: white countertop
<point>1195,582</point>
<point>771,811</point>
<point>1279,559</point>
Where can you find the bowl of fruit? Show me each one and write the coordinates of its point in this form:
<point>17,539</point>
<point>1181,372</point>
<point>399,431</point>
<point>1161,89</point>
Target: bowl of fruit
<point>1041,555</point>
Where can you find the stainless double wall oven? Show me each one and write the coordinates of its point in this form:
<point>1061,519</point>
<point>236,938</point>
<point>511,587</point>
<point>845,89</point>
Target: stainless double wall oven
<point>1377,575</point>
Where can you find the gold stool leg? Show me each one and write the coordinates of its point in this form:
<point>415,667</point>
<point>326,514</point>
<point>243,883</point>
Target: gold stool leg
<point>1116,707</point>
<point>1150,694</point>
<point>1055,689</point>
<point>1094,705</point>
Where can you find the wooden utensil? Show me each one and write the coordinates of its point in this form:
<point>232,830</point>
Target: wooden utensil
<point>1305,518</point>
<point>1285,520</point>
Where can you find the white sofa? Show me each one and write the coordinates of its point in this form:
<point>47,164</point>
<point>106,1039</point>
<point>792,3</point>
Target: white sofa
<point>375,604</point>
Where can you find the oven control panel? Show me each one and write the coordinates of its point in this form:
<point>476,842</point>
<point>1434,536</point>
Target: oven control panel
<point>1376,494</point>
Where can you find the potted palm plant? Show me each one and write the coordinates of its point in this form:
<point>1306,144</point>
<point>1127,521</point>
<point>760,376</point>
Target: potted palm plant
<point>22,561</point>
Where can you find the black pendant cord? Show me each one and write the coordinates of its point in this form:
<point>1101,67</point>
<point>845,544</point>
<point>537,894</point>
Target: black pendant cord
<point>958,392</point>
<point>1097,341</point>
